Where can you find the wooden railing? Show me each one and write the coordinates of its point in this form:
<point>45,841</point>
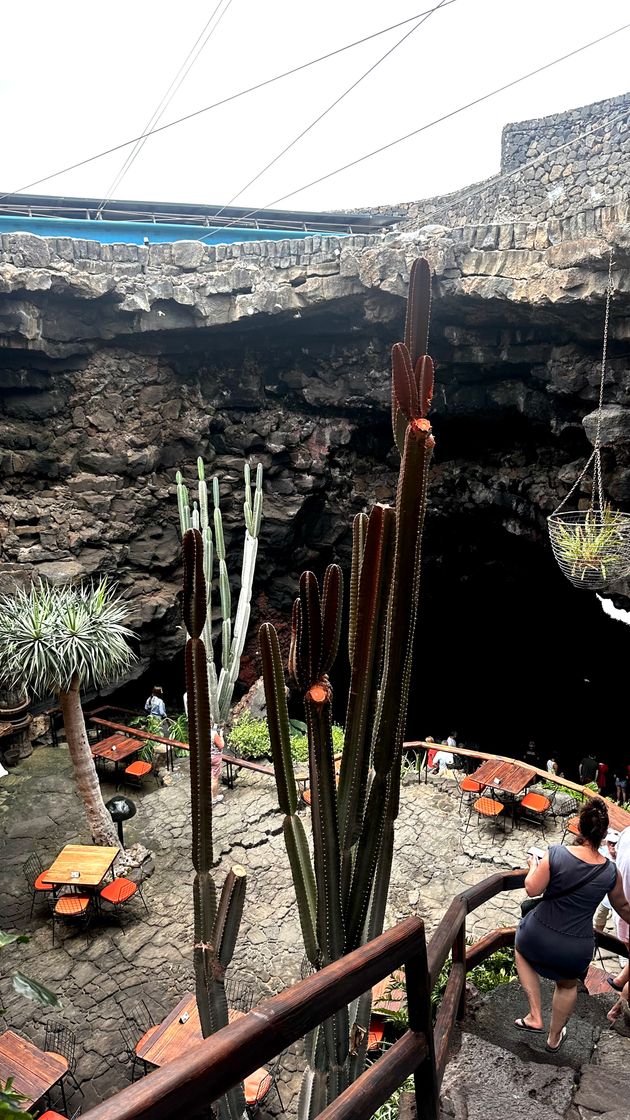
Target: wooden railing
<point>619,818</point>
<point>193,1080</point>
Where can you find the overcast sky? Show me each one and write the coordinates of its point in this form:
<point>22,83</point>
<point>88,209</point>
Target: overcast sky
<point>78,77</point>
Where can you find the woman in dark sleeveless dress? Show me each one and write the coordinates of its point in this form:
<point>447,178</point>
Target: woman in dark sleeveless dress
<point>555,939</point>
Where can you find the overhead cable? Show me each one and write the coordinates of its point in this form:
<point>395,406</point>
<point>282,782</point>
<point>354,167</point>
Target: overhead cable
<point>198,46</point>
<point>329,109</point>
<point>223,101</point>
<point>430,124</point>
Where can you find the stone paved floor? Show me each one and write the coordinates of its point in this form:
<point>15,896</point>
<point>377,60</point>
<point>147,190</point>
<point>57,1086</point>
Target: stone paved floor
<point>151,957</point>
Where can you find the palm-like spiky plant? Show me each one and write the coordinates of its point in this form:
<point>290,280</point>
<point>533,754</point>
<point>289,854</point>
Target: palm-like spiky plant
<point>59,639</point>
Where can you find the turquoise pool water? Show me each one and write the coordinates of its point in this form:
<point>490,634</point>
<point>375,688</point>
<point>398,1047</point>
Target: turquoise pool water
<point>134,233</point>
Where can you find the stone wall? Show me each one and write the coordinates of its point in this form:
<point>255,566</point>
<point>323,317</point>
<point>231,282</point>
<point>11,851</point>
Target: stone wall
<point>593,170</point>
<point>122,364</point>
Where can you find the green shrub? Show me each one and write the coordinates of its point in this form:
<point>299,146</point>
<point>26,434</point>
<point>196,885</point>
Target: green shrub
<point>249,738</point>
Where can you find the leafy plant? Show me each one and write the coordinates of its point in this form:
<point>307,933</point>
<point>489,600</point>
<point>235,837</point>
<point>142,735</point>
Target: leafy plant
<point>592,544</point>
<point>390,1110</point>
<point>10,1103</point>
<point>249,738</point>
<point>23,985</point>
<point>178,729</point>
<point>60,639</point>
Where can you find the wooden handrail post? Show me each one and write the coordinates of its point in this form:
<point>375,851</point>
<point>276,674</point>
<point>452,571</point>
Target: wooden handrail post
<point>418,983</point>
<point>459,957</point>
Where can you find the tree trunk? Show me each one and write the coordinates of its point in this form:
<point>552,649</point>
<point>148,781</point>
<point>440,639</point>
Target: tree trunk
<point>101,824</point>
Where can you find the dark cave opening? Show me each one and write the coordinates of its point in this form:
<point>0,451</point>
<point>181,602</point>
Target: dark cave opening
<point>507,650</point>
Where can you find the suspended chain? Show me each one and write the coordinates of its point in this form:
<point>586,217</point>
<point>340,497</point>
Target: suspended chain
<point>595,457</point>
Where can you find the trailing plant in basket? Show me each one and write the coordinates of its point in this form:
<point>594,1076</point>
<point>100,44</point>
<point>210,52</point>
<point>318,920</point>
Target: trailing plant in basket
<point>592,545</point>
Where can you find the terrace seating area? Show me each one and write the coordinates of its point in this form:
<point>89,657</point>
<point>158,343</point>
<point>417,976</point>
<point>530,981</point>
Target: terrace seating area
<point>122,966</point>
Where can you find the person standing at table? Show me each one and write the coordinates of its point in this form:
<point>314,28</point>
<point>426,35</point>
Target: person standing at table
<point>155,704</point>
<point>622,773</point>
<point>602,778</point>
<point>588,769</point>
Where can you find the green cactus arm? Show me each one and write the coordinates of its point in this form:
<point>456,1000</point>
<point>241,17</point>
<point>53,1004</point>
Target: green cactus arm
<point>359,531</point>
<point>258,503</point>
<point>208,558</point>
<point>183,503</point>
<point>403,605</point>
<point>218,520</point>
<point>371,603</point>
<point>226,639</point>
<point>196,522</point>
<point>332,603</point>
<point>304,883</point>
<point>213,693</point>
<point>366,861</point>
<point>416,336</point>
<point>229,915</point>
<point>199,736</point>
<point>247,504</point>
<point>418,315</point>
<point>313,1096</point>
<point>310,630</point>
<point>224,590</point>
<point>278,718</point>
<point>326,847</point>
<point>203,497</point>
<point>392,707</point>
<point>194,598</point>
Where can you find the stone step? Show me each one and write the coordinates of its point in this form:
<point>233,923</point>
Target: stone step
<point>496,1071</point>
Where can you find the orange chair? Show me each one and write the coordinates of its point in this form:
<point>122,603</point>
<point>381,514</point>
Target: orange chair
<point>137,771</point>
<point>486,808</point>
<point>572,826</point>
<point>375,1034</point>
<point>34,873</point>
<point>121,890</point>
<point>258,1086</point>
<point>71,908</point>
<point>50,1114</point>
<point>535,807</point>
<point>467,786</point>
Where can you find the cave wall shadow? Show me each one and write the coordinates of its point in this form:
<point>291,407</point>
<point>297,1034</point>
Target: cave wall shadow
<point>507,650</point>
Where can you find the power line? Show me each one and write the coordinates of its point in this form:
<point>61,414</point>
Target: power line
<point>204,37</point>
<point>223,101</point>
<point>329,109</point>
<point>430,124</point>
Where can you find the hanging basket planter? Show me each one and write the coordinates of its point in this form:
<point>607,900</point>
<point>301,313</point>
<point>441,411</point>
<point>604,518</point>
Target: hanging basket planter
<point>591,547</point>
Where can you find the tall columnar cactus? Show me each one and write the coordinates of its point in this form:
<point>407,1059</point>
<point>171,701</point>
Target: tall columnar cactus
<point>216,927</point>
<point>221,687</point>
<point>342,894</point>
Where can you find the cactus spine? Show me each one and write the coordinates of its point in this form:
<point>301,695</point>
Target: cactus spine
<point>216,927</point>
<point>221,685</point>
<point>342,895</point>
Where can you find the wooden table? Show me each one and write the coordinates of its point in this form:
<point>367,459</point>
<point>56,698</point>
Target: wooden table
<point>173,1038</point>
<point>509,777</point>
<point>115,748</point>
<point>90,860</point>
<point>33,1071</point>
